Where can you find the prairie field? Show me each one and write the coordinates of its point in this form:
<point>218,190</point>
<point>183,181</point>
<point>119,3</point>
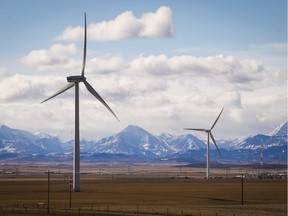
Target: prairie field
<point>134,191</point>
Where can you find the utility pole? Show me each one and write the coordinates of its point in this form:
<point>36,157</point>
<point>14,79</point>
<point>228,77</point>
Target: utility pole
<point>70,190</point>
<point>242,190</point>
<point>261,160</point>
<point>48,198</point>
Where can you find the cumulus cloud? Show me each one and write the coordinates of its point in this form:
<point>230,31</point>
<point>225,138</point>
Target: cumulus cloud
<point>198,66</point>
<point>277,76</point>
<point>33,88</point>
<point>238,74</point>
<point>125,26</point>
<point>231,99</point>
<point>21,87</point>
<point>60,57</point>
<point>106,64</point>
<point>234,73</point>
<point>155,91</point>
<point>126,88</point>
<point>158,24</point>
<point>56,57</point>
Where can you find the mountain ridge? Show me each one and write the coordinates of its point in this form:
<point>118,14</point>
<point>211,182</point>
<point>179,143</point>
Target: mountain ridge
<point>136,141</point>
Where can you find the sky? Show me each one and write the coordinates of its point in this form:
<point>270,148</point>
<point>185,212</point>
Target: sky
<point>160,65</point>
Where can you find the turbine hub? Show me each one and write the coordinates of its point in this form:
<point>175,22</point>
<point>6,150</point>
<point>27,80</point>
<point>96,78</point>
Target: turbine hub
<point>76,79</point>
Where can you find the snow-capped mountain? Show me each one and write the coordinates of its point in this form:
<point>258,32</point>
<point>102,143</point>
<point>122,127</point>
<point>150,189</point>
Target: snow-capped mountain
<point>182,143</point>
<point>136,142</point>
<point>281,130</point>
<point>277,137</point>
<point>228,143</point>
<point>19,141</point>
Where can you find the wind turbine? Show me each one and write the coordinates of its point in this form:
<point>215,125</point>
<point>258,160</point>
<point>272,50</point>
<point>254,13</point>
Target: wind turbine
<point>209,134</point>
<point>74,81</point>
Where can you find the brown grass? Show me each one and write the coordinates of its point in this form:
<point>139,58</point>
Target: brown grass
<point>149,194</point>
<point>154,190</point>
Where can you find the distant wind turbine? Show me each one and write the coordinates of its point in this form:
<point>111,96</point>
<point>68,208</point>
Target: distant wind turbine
<point>209,134</point>
<point>74,81</point>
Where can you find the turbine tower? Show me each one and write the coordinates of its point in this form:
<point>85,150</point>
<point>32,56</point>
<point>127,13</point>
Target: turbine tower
<point>209,134</point>
<point>74,81</point>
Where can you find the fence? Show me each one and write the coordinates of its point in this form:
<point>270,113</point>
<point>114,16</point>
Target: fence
<point>28,209</point>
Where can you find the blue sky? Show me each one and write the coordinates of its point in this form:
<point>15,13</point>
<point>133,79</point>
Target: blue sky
<point>162,65</point>
<point>221,24</point>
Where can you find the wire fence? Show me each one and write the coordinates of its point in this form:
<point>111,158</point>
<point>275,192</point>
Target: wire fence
<point>106,210</point>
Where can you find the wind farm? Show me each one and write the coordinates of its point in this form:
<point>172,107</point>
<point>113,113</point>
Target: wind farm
<point>166,68</point>
<point>73,81</point>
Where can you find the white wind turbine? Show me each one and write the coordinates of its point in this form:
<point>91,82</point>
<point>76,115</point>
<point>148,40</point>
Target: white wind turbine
<point>209,134</point>
<point>74,81</point>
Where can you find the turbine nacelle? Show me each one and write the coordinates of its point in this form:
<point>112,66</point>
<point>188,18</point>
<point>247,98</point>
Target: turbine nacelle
<point>208,131</point>
<point>76,79</point>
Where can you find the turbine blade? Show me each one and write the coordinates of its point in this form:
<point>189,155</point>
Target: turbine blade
<point>215,143</point>
<point>66,87</point>
<point>217,119</point>
<point>85,45</point>
<point>93,92</point>
<point>196,129</point>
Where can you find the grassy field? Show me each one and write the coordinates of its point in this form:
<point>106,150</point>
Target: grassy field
<point>141,193</point>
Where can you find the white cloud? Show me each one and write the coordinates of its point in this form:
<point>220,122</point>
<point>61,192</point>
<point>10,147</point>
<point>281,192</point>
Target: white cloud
<point>159,24</point>
<point>197,66</point>
<point>231,99</point>
<point>106,64</point>
<point>277,76</point>
<point>21,87</point>
<point>55,58</point>
<point>60,58</point>
<point>125,26</point>
<point>233,72</point>
<point>157,92</point>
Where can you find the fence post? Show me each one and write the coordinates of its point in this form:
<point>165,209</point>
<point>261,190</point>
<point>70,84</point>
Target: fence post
<point>242,191</point>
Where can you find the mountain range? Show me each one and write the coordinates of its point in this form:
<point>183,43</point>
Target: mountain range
<point>135,142</point>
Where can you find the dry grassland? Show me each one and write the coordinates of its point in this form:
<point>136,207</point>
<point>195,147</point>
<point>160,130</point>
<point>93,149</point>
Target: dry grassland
<point>122,190</point>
